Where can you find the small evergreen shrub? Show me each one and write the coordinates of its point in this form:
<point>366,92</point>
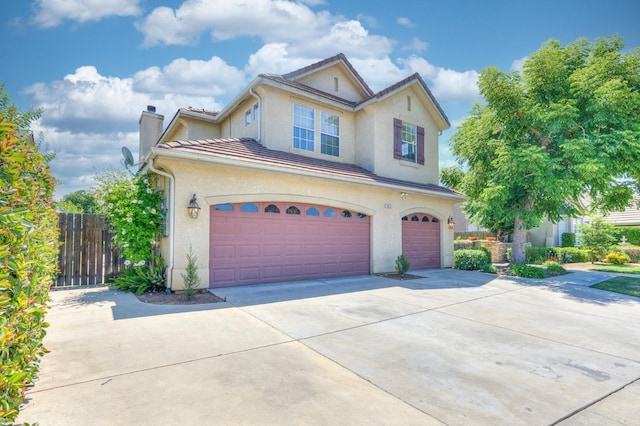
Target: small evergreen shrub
<point>617,258</point>
<point>486,251</point>
<point>568,239</point>
<point>191,277</point>
<point>470,260</point>
<point>536,255</point>
<point>526,271</point>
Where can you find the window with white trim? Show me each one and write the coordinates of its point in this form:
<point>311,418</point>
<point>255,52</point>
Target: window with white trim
<point>303,127</point>
<point>256,112</point>
<point>247,117</point>
<point>409,142</point>
<point>329,134</point>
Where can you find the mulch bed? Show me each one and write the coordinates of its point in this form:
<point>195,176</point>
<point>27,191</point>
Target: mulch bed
<point>397,277</point>
<point>161,298</point>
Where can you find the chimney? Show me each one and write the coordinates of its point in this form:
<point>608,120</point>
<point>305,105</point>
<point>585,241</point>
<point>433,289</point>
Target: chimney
<point>150,130</point>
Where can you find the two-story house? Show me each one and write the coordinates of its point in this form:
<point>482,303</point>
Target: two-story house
<point>304,175</point>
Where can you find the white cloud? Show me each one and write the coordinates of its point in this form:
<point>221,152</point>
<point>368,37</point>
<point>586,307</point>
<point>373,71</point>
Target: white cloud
<point>405,22</point>
<point>416,45</point>
<point>51,13</point>
<point>518,64</point>
<point>447,85</point>
<point>213,77</point>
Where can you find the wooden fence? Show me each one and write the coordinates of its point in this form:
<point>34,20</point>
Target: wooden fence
<point>87,255</point>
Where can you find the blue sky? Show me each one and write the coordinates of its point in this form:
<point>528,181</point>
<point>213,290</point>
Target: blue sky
<point>93,65</point>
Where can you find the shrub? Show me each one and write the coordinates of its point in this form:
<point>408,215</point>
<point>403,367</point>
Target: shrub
<point>632,252</point>
<point>28,254</point>
<point>568,239</point>
<point>142,276</point>
<point>572,255</point>
<point>553,268</point>
<point>598,238</point>
<point>617,258</point>
<point>632,233</point>
<point>486,251</point>
<point>470,260</point>
<point>536,255</point>
<point>526,271</point>
<point>191,277</point>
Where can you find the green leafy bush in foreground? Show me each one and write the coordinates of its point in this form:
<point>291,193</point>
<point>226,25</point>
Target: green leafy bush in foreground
<point>617,258</point>
<point>473,260</point>
<point>28,255</point>
<point>526,271</point>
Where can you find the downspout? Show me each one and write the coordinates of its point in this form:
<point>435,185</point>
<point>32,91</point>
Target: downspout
<point>171,219</point>
<point>255,95</point>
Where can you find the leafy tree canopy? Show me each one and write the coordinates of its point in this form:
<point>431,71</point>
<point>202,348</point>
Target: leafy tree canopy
<point>81,201</point>
<point>569,124</point>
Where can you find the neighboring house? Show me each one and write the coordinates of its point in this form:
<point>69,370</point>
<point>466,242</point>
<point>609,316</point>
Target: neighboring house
<point>304,175</point>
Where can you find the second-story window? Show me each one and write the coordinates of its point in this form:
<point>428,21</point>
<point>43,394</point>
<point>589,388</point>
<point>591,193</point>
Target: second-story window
<point>247,117</point>
<point>303,127</point>
<point>256,112</point>
<point>409,140</point>
<point>329,134</point>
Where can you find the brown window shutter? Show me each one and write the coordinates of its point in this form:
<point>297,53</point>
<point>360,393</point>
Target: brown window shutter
<point>397,138</point>
<point>420,145</point>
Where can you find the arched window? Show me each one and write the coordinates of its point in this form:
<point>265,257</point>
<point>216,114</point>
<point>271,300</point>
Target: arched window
<point>405,218</point>
<point>415,218</point>
<point>425,219</point>
<point>330,213</point>
<point>434,220</point>
<point>249,208</point>
<point>361,215</point>
<point>293,210</point>
<point>345,213</point>
<point>271,208</point>
<point>224,207</point>
<point>312,211</point>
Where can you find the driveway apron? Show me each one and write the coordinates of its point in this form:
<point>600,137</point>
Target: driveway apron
<point>453,347</point>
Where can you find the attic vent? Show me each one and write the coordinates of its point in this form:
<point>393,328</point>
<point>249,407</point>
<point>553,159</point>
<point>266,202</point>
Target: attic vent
<point>151,108</point>
<point>335,83</point>
<point>408,103</point>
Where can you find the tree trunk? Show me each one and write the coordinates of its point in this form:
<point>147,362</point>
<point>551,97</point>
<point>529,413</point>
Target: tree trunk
<point>519,244</point>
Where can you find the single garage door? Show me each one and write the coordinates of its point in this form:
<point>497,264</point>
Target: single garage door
<point>421,240</point>
<point>256,243</point>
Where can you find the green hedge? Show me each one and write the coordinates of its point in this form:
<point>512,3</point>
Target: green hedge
<point>632,233</point>
<point>473,260</point>
<point>568,239</point>
<point>28,255</point>
<point>527,271</point>
<point>572,255</point>
<point>632,252</point>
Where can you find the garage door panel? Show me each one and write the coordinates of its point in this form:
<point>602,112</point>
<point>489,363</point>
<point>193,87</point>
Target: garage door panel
<point>421,242</point>
<point>258,247</point>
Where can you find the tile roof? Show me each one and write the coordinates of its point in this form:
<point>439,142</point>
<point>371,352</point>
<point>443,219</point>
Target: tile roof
<point>200,111</point>
<point>250,150</point>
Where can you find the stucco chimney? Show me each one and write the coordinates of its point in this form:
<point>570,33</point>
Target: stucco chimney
<point>150,130</point>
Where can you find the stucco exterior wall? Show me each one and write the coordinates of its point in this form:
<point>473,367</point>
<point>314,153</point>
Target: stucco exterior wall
<point>397,107</point>
<point>215,184</point>
<point>188,129</point>
<point>325,81</point>
<point>278,125</point>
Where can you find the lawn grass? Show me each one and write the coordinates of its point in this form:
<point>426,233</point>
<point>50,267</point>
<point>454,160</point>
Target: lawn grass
<point>624,285</point>
<point>618,269</point>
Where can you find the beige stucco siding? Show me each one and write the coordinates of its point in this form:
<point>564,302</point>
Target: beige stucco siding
<point>327,79</point>
<point>397,107</point>
<point>217,184</point>
<point>187,128</point>
<point>278,125</point>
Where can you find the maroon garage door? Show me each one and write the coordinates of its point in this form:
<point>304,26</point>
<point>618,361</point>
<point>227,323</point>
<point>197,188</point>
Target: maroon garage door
<point>421,240</point>
<point>256,243</point>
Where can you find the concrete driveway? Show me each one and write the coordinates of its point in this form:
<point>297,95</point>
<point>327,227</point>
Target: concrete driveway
<point>453,348</point>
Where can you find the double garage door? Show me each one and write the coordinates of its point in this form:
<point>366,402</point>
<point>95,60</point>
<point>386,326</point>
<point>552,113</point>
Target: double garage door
<point>256,243</point>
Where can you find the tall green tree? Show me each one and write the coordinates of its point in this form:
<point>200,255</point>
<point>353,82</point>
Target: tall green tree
<point>566,126</point>
<point>81,201</point>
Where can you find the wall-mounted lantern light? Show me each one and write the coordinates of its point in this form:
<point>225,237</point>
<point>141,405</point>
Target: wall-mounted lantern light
<point>193,208</point>
<point>450,222</point>
<point>403,195</point>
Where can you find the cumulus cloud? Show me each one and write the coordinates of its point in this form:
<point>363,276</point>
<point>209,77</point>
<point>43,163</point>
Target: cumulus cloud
<point>405,22</point>
<point>51,13</point>
<point>89,102</point>
<point>446,84</point>
<point>518,64</point>
<point>416,45</point>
